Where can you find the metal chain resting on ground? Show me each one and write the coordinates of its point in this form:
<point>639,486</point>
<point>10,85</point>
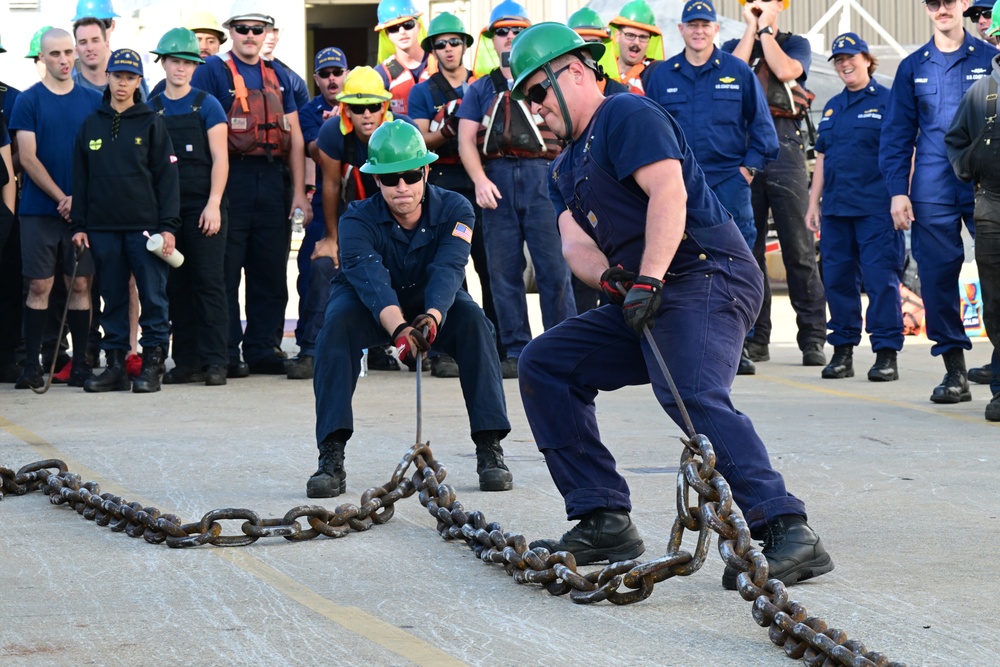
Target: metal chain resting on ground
<point>790,626</point>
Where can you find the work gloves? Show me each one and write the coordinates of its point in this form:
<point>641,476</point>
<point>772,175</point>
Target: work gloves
<point>642,302</point>
<point>429,321</point>
<point>410,339</point>
<point>449,127</point>
<point>615,282</point>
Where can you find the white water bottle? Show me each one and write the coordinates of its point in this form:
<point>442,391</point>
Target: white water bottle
<point>154,244</point>
<point>364,363</point>
<point>298,217</point>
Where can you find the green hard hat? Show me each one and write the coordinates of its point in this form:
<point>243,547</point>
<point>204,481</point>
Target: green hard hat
<point>445,23</point>
<point>995,24</point>
<point>394,147</point>
<point>585,18</point>
<point>541,44</point>
<point>35,48</point>
<point>637,14</point>
<point>179,43</point>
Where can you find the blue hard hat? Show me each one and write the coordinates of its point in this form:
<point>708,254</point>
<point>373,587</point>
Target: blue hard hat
<point>389,11</point>
<point>99,9</point>
<point>508,9</point>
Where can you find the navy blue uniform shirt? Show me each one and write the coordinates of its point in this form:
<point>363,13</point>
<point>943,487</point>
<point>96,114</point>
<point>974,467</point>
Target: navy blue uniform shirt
<point>849,134</point>
<point>722,110</point>
<point>388,266</point>
<point>925,96</point>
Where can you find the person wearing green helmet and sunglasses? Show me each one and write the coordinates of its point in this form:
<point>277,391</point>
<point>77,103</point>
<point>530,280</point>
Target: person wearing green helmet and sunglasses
<point>197,125</point>
<point>403,255</point>
<point>680,275</point>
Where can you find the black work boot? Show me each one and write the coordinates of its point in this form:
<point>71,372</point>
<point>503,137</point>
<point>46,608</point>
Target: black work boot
<point>794,553</point>
<point>993,409</point>
<point>82,371</point>
<point>757,351</point>
<point>603,535</point>
<point>330,479</point>
<point>812,355</point>
<point>981,374</point>
<point>746,366</point>
<point>149,378</point>
<point>493,474</point>
<point>300,368</point>
<point>114,377</point>
<point>31,377</point>
<point>954,388</point>
<point>884,369</point>
<point>841,364</point>
<point>183,375</point>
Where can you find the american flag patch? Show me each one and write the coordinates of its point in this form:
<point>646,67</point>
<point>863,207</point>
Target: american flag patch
<point>463,232</point>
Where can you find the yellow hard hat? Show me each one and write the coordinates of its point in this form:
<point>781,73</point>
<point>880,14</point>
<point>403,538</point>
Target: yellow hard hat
<point>363,85</point>
<point>784,2</point>
<point>203,21</point>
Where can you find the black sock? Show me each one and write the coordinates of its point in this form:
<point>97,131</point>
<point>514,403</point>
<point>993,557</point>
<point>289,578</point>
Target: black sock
<point>34,328</point>
<point>78,322</point>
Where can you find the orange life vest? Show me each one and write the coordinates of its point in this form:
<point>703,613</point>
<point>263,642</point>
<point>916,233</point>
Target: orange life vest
<point>257,122</point>
<point>401,82</point>
<point>632,78</point>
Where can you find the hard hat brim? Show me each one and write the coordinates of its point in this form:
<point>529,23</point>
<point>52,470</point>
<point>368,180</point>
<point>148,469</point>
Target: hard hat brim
<point>396,21</point>
<point>263,18</point>
<point>396,167</point>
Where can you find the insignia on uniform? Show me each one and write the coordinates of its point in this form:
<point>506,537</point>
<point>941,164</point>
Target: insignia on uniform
<point>189,148</point>
<point>870,111</point>
<point>727,79</point>
<point>829,112</point>
<point>95,144</point>
<point>592,218</point>
<point>238,123</point>
<point>138,141</point>
<point>978,70</point>
<point>463,232</point>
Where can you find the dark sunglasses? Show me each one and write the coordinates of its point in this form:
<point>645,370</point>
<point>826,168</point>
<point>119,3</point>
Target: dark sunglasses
<point>408,177</point>
<point>330,71</point>
<point>976,14</point>
<point>538,92</point>
<point>934,5</point>
<point>503,32</point>
<point>247,29</point>
<point>451,41</point>
<point>359,109</point>
<point>405,25</point>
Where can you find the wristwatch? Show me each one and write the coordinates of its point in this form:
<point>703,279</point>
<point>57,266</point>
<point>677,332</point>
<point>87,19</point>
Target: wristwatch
<point>768,30</point>
<point>753,171</point>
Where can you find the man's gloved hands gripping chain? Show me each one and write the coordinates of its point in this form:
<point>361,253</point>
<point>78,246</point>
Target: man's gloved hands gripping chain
<point>417,336</point>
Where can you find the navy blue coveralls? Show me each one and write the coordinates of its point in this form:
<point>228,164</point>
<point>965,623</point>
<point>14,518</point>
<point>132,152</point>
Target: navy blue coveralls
<point>711,294</point>
<point>383,265</point>
<point>724,114</point>
<point>926,92</point>
<point>858,239</point>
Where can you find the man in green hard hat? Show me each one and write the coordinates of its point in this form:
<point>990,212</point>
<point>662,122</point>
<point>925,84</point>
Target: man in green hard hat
<point>636,41</point>
<point>403,254</point>
<point>588,24</point>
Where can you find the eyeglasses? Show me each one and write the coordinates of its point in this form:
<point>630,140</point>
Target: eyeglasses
<point>538,92</point>
<point>408,177</point>
<point>359,109</point>
<point>247,29</point>
<point>326,73</point>
<point>451,41</point>
<point>503,32</point>
<point>981,13</point>
<point>409,24</point>
<point>631,37</point>
<point>935,5</point>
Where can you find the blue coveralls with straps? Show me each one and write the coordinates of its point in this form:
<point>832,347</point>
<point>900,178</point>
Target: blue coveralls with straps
<point>711,294</point>
<point>858,238</point>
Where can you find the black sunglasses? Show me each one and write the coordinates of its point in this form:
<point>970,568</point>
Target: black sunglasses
<point>538,92</point>
<point>405,25</point>
<point>984,13</point>
<point>451,41</point>
<point>503,32</point>
<point>359,109</point>
<point>934,5</point>
<point>408,177</point>
<point>247,29</point>
<point>330,71</point>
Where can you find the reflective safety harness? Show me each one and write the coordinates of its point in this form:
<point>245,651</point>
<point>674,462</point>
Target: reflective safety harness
<point>511,130</point>
<point>257,122</point>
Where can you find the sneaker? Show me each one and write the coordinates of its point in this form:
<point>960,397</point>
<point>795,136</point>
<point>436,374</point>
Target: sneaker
<point>603,535</point>
<point>508,368</point>
<point>794,553</point>
<point>444,366</point>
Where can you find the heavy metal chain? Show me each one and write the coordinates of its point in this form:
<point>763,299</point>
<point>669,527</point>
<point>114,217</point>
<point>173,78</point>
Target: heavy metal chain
<point>801,636</point>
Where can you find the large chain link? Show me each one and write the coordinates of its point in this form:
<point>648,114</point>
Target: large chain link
<point>801,636</point>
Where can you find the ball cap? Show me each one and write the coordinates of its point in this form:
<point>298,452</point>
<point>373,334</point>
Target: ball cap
<point>699,10</point>
<point>977,6</point>
<point>331,56</point>
<point>125,60</point>
<point>849,44</point>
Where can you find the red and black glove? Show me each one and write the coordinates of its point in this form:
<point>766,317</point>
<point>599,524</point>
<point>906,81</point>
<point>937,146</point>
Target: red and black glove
<point>449,127</point>
<point>642,302</point>
<point>615,282</point>
<point>409,342</point>
<point>429,321</point>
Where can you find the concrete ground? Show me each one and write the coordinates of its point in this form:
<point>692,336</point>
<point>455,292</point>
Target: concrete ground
<point>904,492</point>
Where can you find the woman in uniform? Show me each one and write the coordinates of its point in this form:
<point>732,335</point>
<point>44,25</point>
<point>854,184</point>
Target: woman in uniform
<point>197,289</point>
<point>859,243</point>
<point>125,186</point>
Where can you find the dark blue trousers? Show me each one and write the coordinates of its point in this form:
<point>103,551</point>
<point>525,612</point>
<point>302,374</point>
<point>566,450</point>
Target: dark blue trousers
<point>700,329</point>
<point>988,262</point>
<point>734,194</point>
<point>117,256</point>
<point>349,328</point>
<point>863,249</point>
<point>936,241</point>
<point>313,285</point>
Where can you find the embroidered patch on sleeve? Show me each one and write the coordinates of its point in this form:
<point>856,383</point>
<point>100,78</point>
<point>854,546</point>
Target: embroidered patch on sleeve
<point>463,232</point>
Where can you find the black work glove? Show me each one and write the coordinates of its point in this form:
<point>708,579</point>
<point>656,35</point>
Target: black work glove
<point>642,302</point>
<point>409,342</point>
<point>615,282</point>
<point>429,321</point>
<point>449,127</point>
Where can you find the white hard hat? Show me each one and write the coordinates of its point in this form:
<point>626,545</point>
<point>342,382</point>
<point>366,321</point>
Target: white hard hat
<point>248,10</point>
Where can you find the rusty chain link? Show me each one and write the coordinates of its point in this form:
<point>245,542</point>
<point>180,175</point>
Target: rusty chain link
<point>790,627</point>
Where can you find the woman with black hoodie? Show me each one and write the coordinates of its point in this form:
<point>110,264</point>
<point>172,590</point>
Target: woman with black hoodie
<point>125,183</point>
